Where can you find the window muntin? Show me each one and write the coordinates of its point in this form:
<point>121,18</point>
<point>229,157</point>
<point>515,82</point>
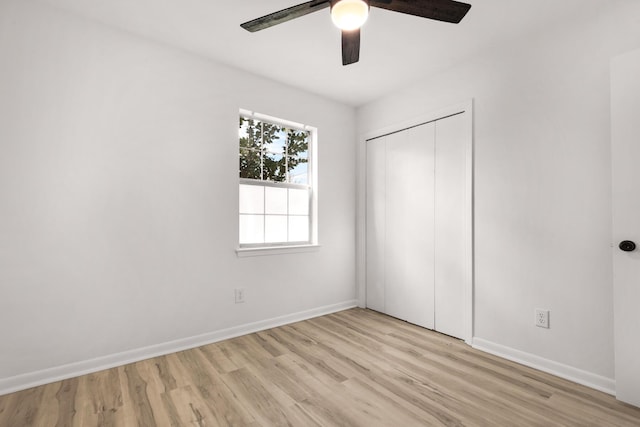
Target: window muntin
<point>275,183</point>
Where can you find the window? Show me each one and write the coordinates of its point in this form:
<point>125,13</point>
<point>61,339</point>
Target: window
<point>276,192</point>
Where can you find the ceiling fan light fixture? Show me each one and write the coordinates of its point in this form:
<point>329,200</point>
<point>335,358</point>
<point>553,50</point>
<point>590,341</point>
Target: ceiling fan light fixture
<point>349,15</point>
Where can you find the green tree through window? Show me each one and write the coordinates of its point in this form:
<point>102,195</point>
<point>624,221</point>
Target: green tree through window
<point>270,152</point>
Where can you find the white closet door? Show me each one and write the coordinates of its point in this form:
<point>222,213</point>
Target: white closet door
<point>451,230</point>
<point>625,144</point>
<point>419,225</point>
<point>376,177</point>
<point>409,251</point>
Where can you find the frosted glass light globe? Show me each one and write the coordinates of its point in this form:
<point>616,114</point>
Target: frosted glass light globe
<point>349,14</point>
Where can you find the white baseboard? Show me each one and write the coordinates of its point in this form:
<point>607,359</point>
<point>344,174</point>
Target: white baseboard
<point>598,382</point>
<point>59,373</point>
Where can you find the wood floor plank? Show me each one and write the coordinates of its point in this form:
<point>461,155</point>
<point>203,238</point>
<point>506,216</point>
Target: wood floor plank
<point>256,399</point>
<point>278,374</point>
<point>83,412</point>
<point>303,348</point>
<point>24,410</point>
<point>250,348</point>
<point>220,359</point>
<point>234,352</point>
<point>297,416</point>
<point>49,408</point>
<point>377,405</point>
<point>271,342</point>
<point>222,403</point>
<point>137,388</point>
<point>278,386</point>
<point>163,415</point>
<point>591,414</point>
<point>177,370</point>
<point>7,403</point>
<point>163,371</point>
<point>352,368</point>
<point>268,345</point>
<point>187,407</point>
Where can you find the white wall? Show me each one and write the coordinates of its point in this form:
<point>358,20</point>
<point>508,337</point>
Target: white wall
<point>118,195</point>
<point>542,185</point>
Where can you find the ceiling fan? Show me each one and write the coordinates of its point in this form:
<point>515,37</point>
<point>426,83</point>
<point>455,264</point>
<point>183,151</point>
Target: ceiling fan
<point>350,15</point>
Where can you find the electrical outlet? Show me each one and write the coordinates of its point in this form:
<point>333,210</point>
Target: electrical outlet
<point>239,296</point>
<point>542,318</point>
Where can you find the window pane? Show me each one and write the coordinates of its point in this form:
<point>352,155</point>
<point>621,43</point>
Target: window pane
<point>274,168</point>
<point>298,228</point>
<point>251,199</point>
<point>275,138</point>
<point>243,135</point>
<point>298,202</point>
<point>297,143</point>
<point>251,229</point>
<point>298,171</point>
<point>249,134</point>
<point>275,200</point>
<point>275,229</point>
<point>250,164</point>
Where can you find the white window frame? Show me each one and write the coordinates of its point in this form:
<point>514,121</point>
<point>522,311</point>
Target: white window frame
<point>272,248</point>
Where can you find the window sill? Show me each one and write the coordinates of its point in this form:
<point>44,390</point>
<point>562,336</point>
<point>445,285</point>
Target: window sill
<point>275,250</point>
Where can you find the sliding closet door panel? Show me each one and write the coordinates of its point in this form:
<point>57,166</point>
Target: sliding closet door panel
<point>376,176</point>
<point>450,233</point>
<point>409,284</point>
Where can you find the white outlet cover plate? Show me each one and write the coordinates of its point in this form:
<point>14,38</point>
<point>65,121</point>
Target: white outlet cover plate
<point>542,318</point>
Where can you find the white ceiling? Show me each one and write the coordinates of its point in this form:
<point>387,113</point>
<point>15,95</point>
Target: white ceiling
<point>396,48</point>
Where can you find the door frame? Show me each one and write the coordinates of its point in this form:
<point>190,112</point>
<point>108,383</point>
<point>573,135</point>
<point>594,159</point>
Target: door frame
<point>361,242</point>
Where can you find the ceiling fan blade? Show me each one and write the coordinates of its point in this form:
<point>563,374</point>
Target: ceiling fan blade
<point>440,10</point>
<point>350,47</point>
<point>285,15</point>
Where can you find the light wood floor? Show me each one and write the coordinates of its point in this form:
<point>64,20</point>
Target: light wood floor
<point>354,368</point>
